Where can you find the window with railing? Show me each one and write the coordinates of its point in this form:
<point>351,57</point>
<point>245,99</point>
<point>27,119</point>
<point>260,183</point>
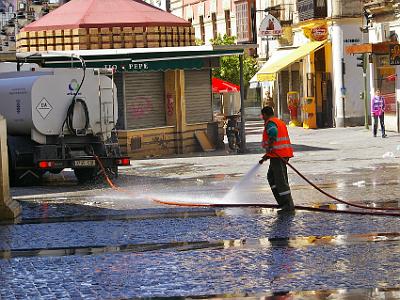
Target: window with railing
<point>311,9</point>
<point>242,21</point>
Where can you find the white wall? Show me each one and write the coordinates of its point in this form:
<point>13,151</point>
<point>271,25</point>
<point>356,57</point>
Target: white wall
<point>344,34</point>
<point>353,79</point>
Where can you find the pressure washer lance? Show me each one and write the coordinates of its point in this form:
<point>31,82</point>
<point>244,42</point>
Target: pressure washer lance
<point>264,158</point>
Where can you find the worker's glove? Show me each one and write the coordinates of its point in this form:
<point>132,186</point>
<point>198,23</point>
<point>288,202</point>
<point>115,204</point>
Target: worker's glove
<point>264,158</point>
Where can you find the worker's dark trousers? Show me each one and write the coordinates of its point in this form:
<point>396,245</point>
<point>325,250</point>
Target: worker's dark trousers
<point>279,183</point>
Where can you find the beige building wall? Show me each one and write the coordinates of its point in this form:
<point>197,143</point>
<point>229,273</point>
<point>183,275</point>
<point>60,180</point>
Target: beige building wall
<point>200,13</point>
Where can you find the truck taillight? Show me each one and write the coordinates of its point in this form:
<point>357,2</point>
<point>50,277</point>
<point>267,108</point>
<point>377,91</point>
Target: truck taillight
<point>46,164</point>
<point>123,162</point>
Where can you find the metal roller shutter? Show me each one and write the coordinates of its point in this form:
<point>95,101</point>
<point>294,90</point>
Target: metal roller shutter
<point>144,98</point>
<point>198,96</point>
<point>119,83</point>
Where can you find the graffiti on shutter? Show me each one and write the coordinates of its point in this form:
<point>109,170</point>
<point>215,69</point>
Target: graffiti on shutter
<point>142,107</point>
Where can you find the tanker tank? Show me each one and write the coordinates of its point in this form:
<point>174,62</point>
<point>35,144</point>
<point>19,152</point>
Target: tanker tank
<point>39,101</point>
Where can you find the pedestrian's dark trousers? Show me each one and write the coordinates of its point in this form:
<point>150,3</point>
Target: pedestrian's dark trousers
<point>278,180</point>
<point>382,121</point>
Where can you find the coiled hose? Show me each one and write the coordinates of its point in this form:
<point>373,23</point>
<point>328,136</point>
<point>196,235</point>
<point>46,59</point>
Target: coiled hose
<point>70,112</point>
<point>70,115</point>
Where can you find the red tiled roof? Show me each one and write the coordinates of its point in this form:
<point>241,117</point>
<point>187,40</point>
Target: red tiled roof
<point>105,13</point>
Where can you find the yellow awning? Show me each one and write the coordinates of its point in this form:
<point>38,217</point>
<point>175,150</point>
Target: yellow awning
<point>283,58</point>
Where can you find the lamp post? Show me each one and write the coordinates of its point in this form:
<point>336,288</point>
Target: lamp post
<point>242,112</point>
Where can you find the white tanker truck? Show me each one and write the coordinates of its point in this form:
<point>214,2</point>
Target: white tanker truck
<point>58,118</point>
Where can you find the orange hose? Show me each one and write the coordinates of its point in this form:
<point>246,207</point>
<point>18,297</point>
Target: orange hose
<point>298,207</point>
<point>329,195</point>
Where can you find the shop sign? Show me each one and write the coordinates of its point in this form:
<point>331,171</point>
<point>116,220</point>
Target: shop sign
<point>266,77</point>
<point>317,33</point>
<point>270,26</point>
<point>394,54</point>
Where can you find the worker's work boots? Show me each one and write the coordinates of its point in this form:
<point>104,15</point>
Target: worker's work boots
<point>287,204</point>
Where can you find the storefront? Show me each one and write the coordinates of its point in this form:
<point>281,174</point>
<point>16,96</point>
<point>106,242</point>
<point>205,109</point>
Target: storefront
<point>164,95</point>
<point>314,80</point>
<point>298,77</point>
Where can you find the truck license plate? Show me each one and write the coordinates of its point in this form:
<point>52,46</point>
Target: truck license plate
<point>84,163</point>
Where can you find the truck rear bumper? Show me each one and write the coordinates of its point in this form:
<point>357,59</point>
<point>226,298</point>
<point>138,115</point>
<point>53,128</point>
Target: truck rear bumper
<point>83,162</point>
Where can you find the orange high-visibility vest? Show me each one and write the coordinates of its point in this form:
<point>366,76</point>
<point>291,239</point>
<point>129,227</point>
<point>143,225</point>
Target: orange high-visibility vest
<point>282,145</point>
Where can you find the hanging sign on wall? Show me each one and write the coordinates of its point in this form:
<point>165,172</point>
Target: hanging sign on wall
<point>270,26</point>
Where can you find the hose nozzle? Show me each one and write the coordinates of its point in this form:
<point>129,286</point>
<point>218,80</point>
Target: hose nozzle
<point>264,158</point>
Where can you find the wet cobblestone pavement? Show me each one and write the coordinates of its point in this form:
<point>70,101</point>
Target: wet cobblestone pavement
<point>93,243</point>
<point>249,251</point>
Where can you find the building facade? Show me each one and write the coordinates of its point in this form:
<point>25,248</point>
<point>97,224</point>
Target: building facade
<point>316,68</point>
<point>213,17</point>
<point>324,75</point>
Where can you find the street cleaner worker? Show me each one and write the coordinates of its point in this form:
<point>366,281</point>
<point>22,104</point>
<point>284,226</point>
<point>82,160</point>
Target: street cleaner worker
<point>278,148</point>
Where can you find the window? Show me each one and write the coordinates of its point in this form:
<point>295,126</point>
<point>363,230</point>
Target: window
<point>214,25</point>
<point>202,31</point>
<point>228,23</point>
<point>190,20</point>
<point>242,22</point>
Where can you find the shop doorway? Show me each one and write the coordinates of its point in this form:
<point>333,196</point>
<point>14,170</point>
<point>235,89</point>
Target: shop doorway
<point>323,91</point>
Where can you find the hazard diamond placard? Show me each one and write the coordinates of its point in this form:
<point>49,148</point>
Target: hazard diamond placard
<point>44,108</point>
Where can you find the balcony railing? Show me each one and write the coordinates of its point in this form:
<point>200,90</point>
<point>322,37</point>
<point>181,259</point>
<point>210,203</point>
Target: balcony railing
<point>311,9</point>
